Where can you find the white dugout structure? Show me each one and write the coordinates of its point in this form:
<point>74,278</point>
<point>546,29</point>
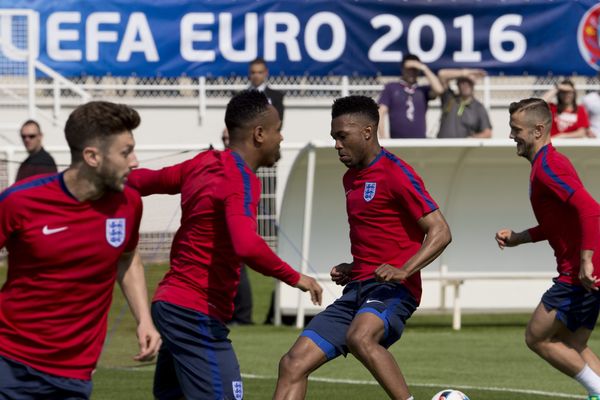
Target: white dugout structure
<point>480,186</point>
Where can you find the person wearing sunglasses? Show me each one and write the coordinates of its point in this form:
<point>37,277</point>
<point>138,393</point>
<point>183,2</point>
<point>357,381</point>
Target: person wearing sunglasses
<point>39,160</point>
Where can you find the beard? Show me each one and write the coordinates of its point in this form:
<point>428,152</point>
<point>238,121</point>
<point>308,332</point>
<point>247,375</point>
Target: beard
<point>112,180</point>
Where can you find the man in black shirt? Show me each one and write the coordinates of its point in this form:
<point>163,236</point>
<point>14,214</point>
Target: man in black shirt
<point>39,161</point>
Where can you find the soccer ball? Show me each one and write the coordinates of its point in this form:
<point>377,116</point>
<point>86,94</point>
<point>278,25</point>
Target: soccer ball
<point>450,394</point>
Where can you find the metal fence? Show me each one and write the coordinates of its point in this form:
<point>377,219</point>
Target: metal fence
<point>54,92</point>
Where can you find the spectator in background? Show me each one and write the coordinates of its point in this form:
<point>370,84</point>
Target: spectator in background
<point>258,74</point>
<point>406,102</point>
<point>462,115</point>
<point>568,120</point>
<point>39,161</point>
<point>591,102</point>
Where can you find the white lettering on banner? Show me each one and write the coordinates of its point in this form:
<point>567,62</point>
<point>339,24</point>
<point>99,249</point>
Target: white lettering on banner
<point>287,37</point>
<point>439,37</point>
<point>250,34</point>
<point>188,36</point>
<point>137,25</point>
<point>378,52</point>
<point>205,35</point>
<point>499,34</point>
<point>55,35</point>
<point>7,42</point>
<point>311,34</point>
<point>467,40</point>
<point>94,36</point>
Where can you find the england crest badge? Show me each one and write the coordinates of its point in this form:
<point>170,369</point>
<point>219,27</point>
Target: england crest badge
<point>369,193</point>
<point>115,231</point>
<point>238,390</point>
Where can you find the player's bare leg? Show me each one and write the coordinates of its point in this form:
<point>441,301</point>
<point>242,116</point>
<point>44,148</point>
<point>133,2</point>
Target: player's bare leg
<point>362,339</point>
<point>578,340</point>
<point>543,336</point>
<point>294,368</point>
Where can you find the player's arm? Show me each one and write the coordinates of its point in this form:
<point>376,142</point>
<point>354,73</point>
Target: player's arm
<point>509,238</point>
<point>130,275</point>
<point>588,213</point>
<point>437,237</point>
<point>167,180</point>
<point>254,252</point>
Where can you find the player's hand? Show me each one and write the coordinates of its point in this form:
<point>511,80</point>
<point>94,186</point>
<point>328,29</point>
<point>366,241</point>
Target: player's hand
<point>389,273</point>
<point>586,275</point>
<point>149,341</point>
<point>340,274</point>
<point>505,238</point>
<point>306,283</point>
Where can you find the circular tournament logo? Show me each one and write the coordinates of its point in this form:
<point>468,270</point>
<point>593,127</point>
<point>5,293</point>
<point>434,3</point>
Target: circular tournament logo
<point>588,37</point>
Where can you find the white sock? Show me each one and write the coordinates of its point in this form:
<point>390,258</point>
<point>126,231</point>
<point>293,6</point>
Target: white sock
<point>411,398</point>
<point>589,380</point>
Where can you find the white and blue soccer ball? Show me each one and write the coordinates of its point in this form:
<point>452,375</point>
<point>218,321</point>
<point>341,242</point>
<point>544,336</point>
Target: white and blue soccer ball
<point>450,394</point>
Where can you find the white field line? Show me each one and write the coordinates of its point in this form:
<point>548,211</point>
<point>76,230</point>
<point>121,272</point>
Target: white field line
<point>417,384</point>
<point>444,385</point>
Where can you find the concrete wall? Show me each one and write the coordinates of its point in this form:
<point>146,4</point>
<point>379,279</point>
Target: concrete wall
<point>178,123</point>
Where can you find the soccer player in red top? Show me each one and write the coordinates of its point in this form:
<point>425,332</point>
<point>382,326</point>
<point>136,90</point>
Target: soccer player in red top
<point>69,236</point>
<point>396,230</point>
<point>569,219</point>
<point>219,199</point>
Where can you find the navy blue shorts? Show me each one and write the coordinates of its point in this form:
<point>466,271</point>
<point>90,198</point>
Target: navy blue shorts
<point>575,307</point>
<point>196,360</point>
<point>21,382</point>
<point>392,302</point>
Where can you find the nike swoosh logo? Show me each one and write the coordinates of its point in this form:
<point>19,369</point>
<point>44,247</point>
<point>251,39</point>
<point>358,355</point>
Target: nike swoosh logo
<point>48,231</point>
<point>374,301</point>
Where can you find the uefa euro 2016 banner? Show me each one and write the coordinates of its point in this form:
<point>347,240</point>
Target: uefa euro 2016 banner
<point>344,37</point>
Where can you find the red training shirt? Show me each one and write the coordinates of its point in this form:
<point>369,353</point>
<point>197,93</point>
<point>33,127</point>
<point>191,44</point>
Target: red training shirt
<point>219,200</point>
<point>62,267</point>
<point>568,217</point>
<point>384,201</point>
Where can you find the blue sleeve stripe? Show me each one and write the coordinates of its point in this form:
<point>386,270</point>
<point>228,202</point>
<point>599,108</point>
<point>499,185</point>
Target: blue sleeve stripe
<point>239,162</point>
<point>330,351</point>
<point>552,175</point>
<point>29,185</point>
<point>413,181</point>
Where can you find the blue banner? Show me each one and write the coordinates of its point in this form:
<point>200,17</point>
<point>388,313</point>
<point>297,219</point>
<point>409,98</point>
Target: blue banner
<point>317,37</point>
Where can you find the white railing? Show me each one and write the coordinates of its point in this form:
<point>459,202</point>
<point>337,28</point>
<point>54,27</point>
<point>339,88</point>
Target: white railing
<point>203,92</point>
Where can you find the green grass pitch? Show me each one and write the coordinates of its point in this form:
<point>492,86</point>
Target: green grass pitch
<point>487,359</point>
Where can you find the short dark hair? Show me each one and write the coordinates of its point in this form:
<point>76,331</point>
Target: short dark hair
<point>537,110</point>
<point>258,60</point>
<point>243,108</point>
<point>408,57</point>
<point>356,105</point>
<point>97,121</point>
<point>31,122</point>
